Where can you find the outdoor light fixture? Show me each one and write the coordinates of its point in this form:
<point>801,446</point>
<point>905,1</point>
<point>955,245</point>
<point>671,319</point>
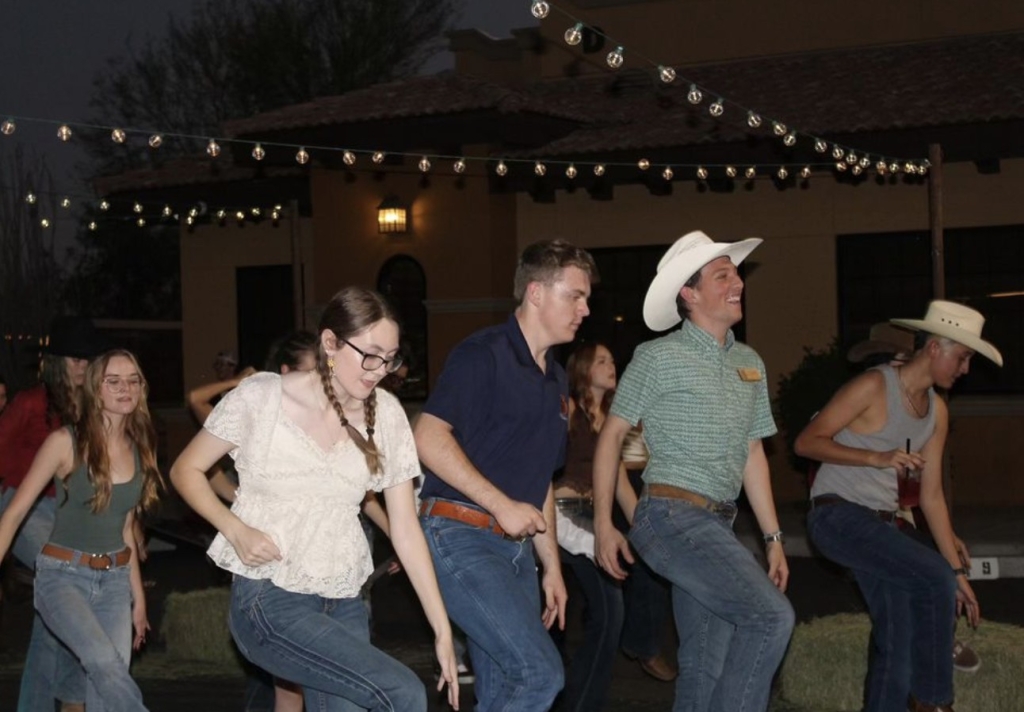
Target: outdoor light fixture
<point>392,216</point>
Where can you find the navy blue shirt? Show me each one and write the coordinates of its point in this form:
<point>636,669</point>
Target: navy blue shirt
<point>508,416</point>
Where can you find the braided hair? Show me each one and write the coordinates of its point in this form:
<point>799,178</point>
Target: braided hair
<point>350,311</point>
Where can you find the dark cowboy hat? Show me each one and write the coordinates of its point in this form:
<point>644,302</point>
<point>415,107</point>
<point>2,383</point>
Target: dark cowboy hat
<point>77,337</point>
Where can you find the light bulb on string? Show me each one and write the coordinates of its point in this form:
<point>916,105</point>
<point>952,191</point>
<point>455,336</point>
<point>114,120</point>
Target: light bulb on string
<point>31,198</point>
<point>702,173</point>
<point>258,153</point>
<point>539,168</point>
<point>378,157</point>
<point>44,223</point>
<point>805,172</point>
<point>753,120</point>
<point>820,146</point>
<point>717,108</point>
<point>64,133</point>
<point>615,58</point>
<point>789,139</point>
<point>694,95</point>
<point>8,127</point>
<point>782,173</point>
<point>190,220</point>
<point>894,167</point>
<point>212,149</point>
<point>167,211</point>
<point>459,166</point>
<point>864,162</point>
<point>643,164</point>
<point>93,225</point>
<point>570,171</point>
<point>118,136</point>
<point>851,158</point>
<point>838,152</point>
<point>156,141</point>
<point>302,156</point>
<point>778,128</point>
<point>424,164</point>
<point>65,202</point>
<point>856,170</point>
<point>240,217</point>
<point>501,169</point>
<point>256,212</point>
<point>141,222</point>
<point>750,173</point>
<point>598,169</point>
<point>908,167</point>
<point>667,173</point>
<point>881,168</point>
<point>922,170</point>
<point>841,166</point>
<point>730,171</point>
<point>221,214</point>
<point>348,158</point>
<point>193,212</point>
<point>666,74</point>
<point>104,205</point>
<point>137,207</point>
<point>539,9</point>
<point>574,35</point>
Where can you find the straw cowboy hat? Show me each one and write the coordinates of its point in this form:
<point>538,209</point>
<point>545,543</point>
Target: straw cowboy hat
<point>884,338</point>
<point>957,323</point>
<point>684,259</point>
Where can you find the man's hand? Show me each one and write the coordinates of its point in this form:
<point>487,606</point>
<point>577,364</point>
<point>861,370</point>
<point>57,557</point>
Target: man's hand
<point>520,519</point>
<point>555,597</point>
<point>778,567</point>
<point>609,543</point>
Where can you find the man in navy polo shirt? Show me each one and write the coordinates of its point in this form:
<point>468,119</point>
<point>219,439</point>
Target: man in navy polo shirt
<point>491,435</point>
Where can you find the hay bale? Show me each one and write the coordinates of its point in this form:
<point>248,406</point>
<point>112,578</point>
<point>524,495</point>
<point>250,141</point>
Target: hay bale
<point>195,627</point>
<point>827,662</point>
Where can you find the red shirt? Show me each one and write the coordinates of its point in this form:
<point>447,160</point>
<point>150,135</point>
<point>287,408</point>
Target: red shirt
<point>23,428</point>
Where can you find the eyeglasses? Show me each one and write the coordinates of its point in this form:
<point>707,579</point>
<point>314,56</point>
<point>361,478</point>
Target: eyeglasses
<point>371,362</point>
<point>118,384</point>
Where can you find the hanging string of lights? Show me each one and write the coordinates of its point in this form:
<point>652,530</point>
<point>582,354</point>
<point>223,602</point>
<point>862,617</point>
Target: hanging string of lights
<point>844,157</point>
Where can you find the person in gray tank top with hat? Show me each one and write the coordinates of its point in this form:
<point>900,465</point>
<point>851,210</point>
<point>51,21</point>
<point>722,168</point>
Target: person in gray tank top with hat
<point>883,431</point>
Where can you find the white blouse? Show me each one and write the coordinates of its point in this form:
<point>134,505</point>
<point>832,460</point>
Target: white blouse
<point>305,498</point>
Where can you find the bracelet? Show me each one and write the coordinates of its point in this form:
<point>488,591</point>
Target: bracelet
<point>962,571</point>
<point>774,536</point>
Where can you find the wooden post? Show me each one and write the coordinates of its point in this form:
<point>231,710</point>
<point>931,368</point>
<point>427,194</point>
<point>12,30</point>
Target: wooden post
<point>298,288</point>
<point>935,221</point>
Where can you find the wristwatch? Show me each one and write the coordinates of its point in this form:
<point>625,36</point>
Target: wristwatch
<point>774,536</point>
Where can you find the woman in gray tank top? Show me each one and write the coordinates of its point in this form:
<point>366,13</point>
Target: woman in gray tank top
<point>88,588</point>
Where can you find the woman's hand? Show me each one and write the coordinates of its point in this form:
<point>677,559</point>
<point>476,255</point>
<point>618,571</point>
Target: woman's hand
<point>140,623</point>
<point>967,602</point>
<point>253,547</point>
<point>445,652</point>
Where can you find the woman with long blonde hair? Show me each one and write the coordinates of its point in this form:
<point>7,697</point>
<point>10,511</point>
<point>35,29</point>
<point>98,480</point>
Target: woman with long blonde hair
<point>88,585</point>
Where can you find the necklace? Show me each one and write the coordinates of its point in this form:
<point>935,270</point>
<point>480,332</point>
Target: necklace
<point>906,394</point>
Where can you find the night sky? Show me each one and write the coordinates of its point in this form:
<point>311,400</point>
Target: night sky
<point>50,50</point>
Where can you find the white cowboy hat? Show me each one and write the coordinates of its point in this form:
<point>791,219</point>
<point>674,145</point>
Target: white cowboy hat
<point>685,258</point>
<point>884,338</point>
<point>956,322</point>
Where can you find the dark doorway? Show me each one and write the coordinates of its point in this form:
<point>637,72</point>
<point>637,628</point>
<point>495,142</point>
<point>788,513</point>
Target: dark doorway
<point>265,310</point>
<point>404,283</point>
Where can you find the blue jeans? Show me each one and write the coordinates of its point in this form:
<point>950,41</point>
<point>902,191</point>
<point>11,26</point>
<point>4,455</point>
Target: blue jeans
<point>910,591</point>
<point>50,671</point>
<point>489,585</point>
<point>89,611</point>
<point>733,623</point>
<point>590,669</point>
<point>322,644</point>
<point>648,599</point>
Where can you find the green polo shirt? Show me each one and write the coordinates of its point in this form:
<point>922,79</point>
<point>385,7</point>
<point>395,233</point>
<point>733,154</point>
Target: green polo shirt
<point>701,404</point>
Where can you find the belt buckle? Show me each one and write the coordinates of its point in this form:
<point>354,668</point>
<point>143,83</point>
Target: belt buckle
<point>94,562</point>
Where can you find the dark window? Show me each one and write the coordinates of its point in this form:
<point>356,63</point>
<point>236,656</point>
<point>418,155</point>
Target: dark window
<point>882,276</point>
<point>265,310</point>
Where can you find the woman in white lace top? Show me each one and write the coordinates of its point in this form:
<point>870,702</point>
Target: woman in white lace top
<point>307,447</point>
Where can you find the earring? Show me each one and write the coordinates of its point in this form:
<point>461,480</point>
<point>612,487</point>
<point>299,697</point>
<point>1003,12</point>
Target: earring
<point>330,364</point>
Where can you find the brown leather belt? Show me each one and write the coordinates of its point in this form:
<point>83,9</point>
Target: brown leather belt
<point>100,562</point>
<point>672,492</point>
<point>824,500</point>
<point>461,513</point>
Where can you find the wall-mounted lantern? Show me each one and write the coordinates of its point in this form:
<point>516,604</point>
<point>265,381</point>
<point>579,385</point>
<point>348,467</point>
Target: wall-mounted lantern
<point>392,216</point>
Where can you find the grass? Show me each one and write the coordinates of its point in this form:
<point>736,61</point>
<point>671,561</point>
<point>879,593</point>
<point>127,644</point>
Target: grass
<point>826,664</point>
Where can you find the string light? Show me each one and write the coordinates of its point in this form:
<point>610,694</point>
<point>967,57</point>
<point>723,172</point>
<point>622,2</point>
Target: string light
<point>702,173</point>
<point>167,211</point>
<point>31,198</point>
<point>750,173</point>
<point>694,96</point>
<point>501,169</point>
<point>104,205</point>
<point>881,168</point>
<point>730,171</point>
<point>820,146</point>
<point>851,158</point>
<point>805,172</point>
<point>64,133</point>
<point>598,169</point>
<point>258,153</point>
<point>348,158</point>
<point>570,171</point>
<point>459,166</point>
<point>782,173</point>
<point>118,136</point>
<point>856,170</point>
<point>44,223</point>
<point>65,202</point>
<point>539,168</point>
<point>93,225</point>
<point>424,164</point>
<point>778,128</point>
<point>8,127</point>
<point>156,141</point>
<point>666,74</point>
<point>574,35</point>
<point>615,58</point>
<point>141,222</point>
<point>540,9</point>
<point>790,139</point>
<point>753,120</point>
<point>212,149</point>
<point>837,152</point>
<point>137,207</point>
<point>717,108</point>
<point>378,157</point>
<point>841,166</point>
<point>643,164</point>
<point>302,156</point>
<point>667,173</point>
